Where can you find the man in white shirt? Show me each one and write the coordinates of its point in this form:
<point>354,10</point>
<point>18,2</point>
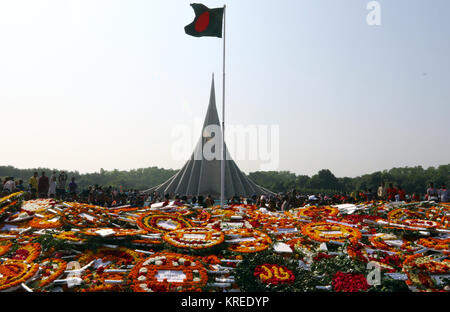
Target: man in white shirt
<point>9,185</point>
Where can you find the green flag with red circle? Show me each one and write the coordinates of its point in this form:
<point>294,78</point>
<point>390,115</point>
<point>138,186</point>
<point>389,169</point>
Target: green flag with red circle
<point>207,22</point>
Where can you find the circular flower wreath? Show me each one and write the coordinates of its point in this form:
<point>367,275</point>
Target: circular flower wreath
<point>381,241</point>
<point>99,280</point>
<point>13,273</point>
<point>194,238</point>
<point>314,212</point>
<point>38,205</point>
<point>401,213</point>
<point>249,240</point>
<point>117,256</point>
<point>325,232</point>
<point>85,216</point>
<point>168,272</point>
<point>428,224</point>
<point>162,223</point>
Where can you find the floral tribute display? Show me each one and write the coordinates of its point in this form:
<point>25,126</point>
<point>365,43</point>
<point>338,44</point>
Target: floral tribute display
<point>84,216</point>
<point>50,269</point>
<point>38,205</point>
<point>350,282</point>
<point>46,221</point>
<point>314,212</point>
<point>115,257</point>
<point>169,272</point>
<point>162,223</point>
<point>421,271</point>
<point>194,238</point>
<point>115,232</point>
<point>8,203</point>
<point>274,274</point>
<point>13,273</point>
<point>248,241</point>
<point>325,232</point>
<point>73,247</point>
<point>27,253</point>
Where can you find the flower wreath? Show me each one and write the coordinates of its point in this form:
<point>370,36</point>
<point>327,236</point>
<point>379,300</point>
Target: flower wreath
<point>85,216</point>
<point>194,238</point>
<point>435,243</point>
<point>118,232</point>
<point>379,241</point>
<point>148,275</point>
<point>325,232</point>
<point>152,223</point>
<point>314,212</point>
<point>51,269</point>
<point>49,221</point>
<point>401,213</point>
<point>70,236</point>
<point>117,256</point>
<point>13,273</point>
<point>419,267</point>
<point>274,274</point>
<point>38,205</point>
<point>27,253</point>
<point>428,224</point>
<point>251,240</point>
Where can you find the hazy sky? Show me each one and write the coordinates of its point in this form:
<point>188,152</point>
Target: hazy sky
<point>93,84</point>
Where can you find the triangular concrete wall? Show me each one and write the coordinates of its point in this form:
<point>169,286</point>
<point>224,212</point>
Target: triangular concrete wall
<point>200,176</point>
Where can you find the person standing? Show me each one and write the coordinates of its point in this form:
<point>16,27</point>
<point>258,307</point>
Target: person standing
<point>33,183</point>
<point>61,186</point>
<point>381,192</point>
<point>9,185</point>
<point>73,189</point>
<point>20,186</point>
<point>432,193</point>
<point>444,194</point>
<point>209,201</point>
<point>43,185</point>
<point>52,186</point>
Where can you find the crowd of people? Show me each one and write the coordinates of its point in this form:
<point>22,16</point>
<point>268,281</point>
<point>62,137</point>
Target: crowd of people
<point>294,199</point>
<point>56,186</point>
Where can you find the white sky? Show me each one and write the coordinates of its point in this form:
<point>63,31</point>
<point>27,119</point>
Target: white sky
<point>92,84</point>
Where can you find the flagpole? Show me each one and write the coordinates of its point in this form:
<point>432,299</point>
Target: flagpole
<point>222,171</point>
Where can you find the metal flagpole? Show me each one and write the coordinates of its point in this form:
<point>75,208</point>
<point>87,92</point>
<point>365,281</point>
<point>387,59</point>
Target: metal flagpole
<point>222,171</point>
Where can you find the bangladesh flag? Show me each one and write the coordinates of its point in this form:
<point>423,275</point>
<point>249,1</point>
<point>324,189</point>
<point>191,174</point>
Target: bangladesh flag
<point>207,22</point>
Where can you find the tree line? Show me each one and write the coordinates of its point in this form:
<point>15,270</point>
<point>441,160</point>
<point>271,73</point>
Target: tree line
<point>411,179</point>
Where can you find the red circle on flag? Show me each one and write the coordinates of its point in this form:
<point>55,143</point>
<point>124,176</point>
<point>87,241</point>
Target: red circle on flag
<point>202,22</point>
